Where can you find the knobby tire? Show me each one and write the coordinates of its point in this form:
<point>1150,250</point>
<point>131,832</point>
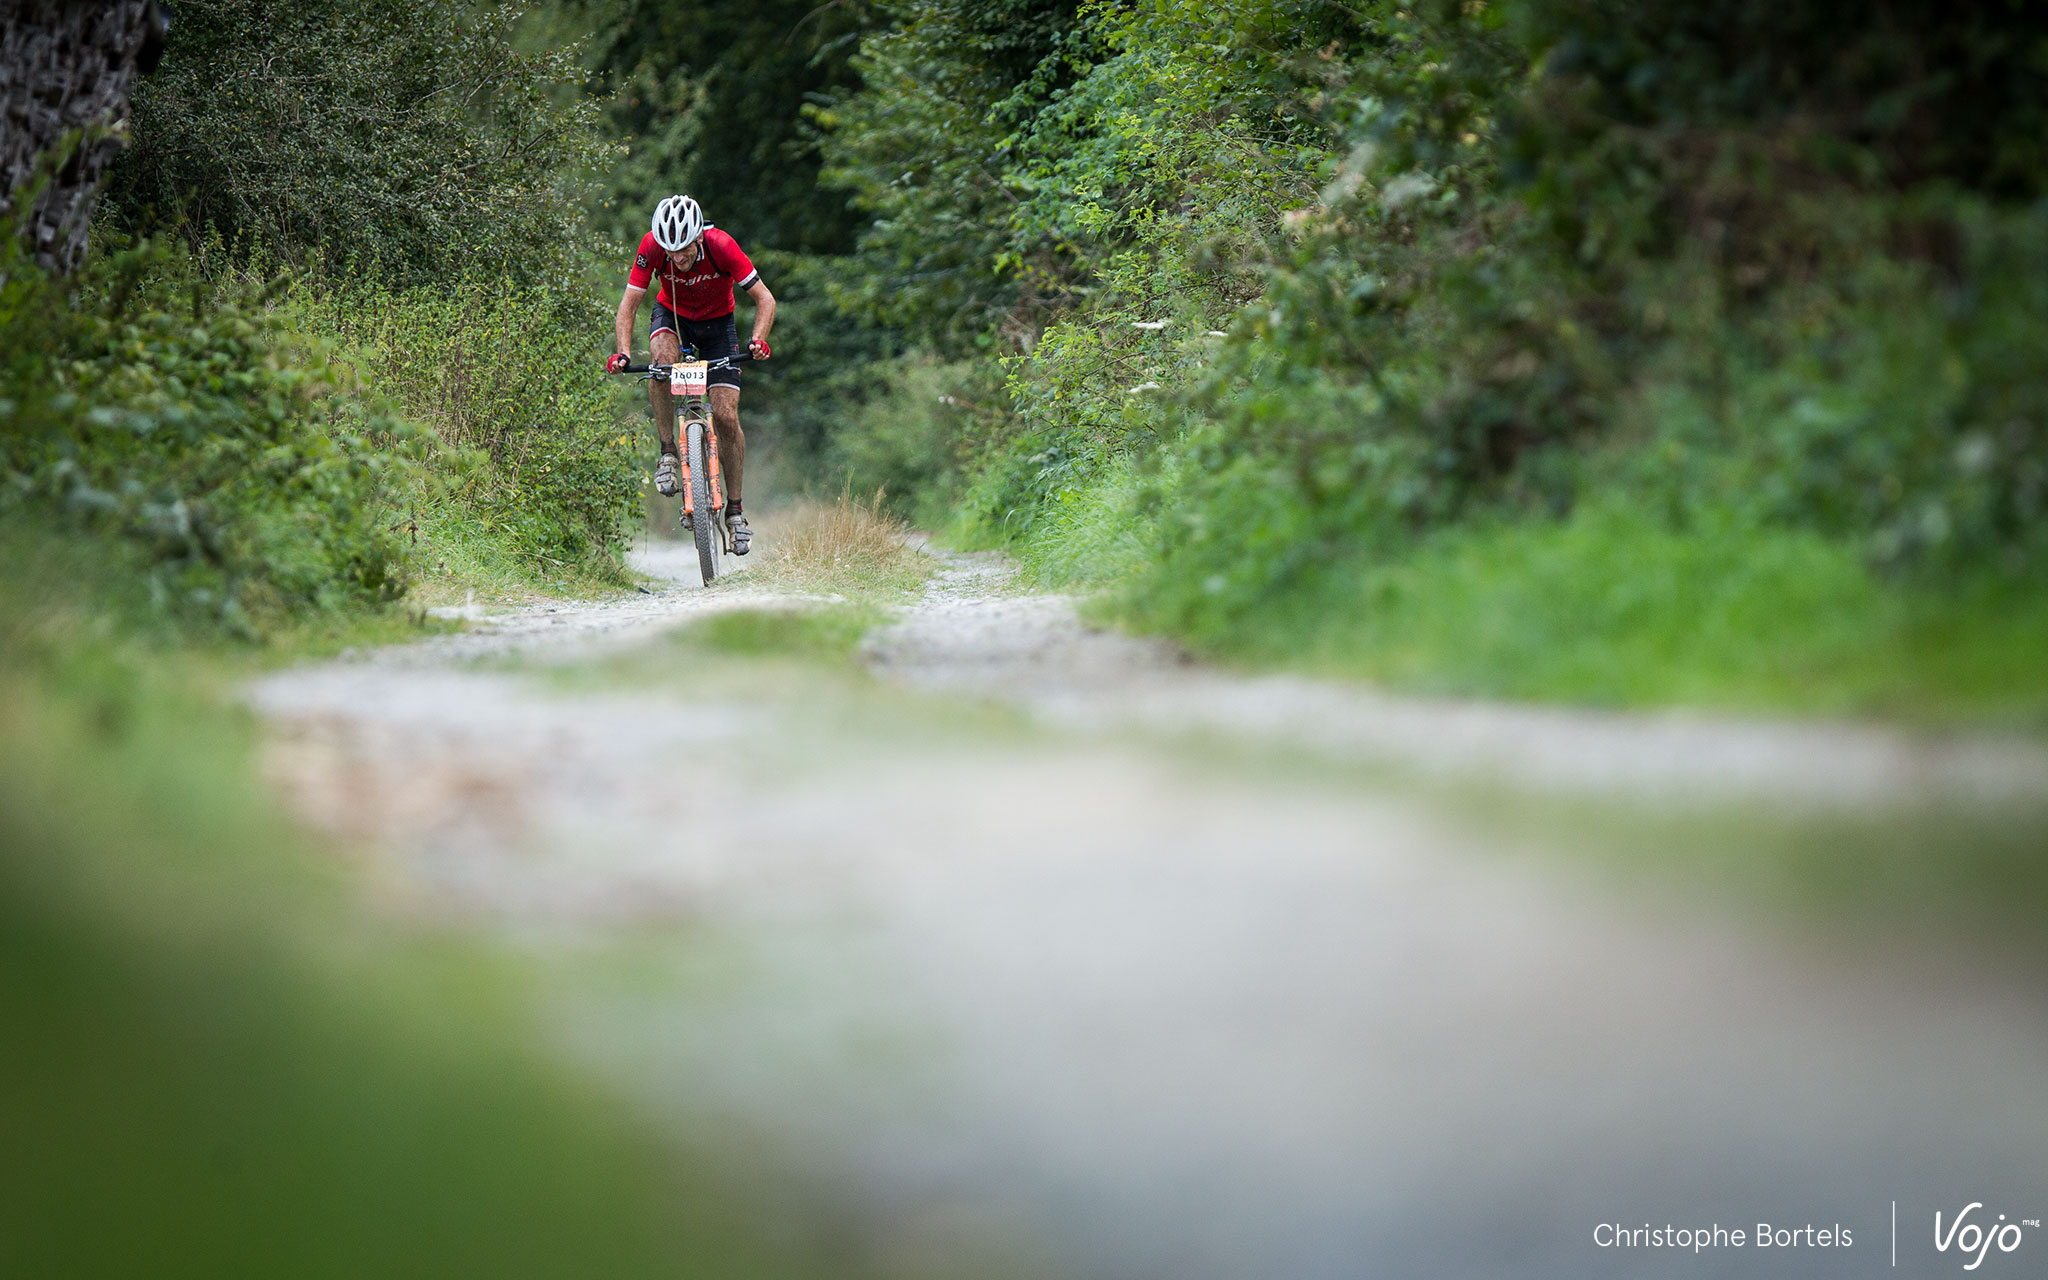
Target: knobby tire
<point>704,521</point>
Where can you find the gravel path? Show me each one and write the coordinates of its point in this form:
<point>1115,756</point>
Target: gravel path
<point>1055,998</point>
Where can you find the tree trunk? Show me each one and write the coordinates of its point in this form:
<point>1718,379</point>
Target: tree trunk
<point>67,68</point>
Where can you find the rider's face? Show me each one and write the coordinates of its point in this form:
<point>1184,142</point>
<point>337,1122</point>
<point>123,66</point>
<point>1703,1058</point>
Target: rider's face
<point>686,257</point>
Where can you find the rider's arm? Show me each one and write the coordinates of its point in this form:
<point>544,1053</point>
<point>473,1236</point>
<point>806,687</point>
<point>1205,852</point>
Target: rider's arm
<point>764,310</point>
<point>629,306</point>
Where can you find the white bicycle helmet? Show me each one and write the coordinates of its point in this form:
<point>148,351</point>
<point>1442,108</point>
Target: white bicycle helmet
<point>677,221</point>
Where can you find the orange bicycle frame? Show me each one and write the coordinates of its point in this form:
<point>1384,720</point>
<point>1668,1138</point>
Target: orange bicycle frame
<point>689,385</point>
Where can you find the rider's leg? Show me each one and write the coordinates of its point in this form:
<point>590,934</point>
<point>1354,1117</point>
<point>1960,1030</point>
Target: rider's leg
<point>732,456</point>
<point>732,442</point>
<point>664,347</point>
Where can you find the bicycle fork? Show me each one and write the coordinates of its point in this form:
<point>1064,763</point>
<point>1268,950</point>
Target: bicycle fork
<point>717,486</point>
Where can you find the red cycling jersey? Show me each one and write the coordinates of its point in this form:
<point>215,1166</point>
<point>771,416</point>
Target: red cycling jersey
<point>704,291</point>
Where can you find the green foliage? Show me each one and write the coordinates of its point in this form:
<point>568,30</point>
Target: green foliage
<point>273,452</point>
<point>408,138</point>
<point>1167,162</point>
<point>532,448</point>
<point>829,363</point>
<point>246,483</point>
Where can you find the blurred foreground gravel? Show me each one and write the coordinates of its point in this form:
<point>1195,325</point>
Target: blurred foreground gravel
<point>1084,997</point>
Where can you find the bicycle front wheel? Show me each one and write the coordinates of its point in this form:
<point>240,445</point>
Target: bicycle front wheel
<point>704,521</point>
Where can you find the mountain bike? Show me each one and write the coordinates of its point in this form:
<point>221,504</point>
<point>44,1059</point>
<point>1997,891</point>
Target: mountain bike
<point>703,482</point>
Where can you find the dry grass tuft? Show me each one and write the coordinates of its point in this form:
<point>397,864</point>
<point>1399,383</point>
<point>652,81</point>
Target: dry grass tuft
<point>845,544</point>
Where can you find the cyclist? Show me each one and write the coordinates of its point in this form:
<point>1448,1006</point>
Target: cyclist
<point>699,266</point>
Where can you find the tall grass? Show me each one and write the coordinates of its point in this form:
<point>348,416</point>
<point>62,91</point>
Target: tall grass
<point>847,545</point>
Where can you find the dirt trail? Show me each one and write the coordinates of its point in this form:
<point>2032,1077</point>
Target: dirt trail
<point>1067,999</point>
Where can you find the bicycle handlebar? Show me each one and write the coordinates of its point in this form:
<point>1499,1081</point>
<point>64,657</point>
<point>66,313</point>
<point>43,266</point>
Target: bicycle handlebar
<point>723,362</point>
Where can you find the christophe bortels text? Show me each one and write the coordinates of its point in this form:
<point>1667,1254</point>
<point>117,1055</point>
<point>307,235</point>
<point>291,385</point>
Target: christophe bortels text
<point>1612,1235</point>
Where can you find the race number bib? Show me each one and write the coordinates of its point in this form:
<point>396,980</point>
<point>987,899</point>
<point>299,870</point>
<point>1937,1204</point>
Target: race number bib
<point>688,377</point>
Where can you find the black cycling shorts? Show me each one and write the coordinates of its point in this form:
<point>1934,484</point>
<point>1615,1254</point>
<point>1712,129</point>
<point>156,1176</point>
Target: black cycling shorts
<point>714,340</point>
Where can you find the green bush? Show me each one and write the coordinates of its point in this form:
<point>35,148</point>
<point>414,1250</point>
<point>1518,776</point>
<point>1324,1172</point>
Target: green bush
<point>248,483</point>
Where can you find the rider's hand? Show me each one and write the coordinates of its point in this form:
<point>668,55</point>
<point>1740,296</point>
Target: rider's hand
<point>618,362</point>
<point>759,348</point>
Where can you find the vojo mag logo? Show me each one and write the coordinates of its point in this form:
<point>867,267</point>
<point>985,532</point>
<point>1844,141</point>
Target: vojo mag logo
<point>1975,1237</point>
